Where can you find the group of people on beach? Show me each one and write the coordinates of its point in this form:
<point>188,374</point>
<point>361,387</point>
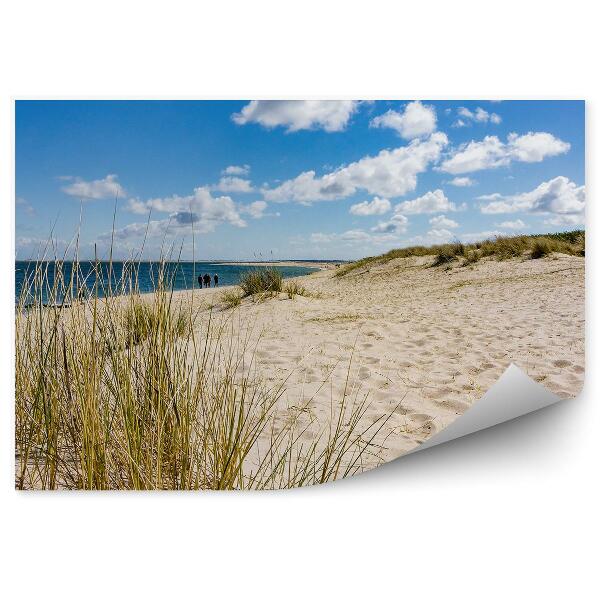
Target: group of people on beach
<point>205,280</point>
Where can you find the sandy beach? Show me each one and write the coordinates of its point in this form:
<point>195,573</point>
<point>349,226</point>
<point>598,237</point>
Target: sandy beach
<point>424,342</point>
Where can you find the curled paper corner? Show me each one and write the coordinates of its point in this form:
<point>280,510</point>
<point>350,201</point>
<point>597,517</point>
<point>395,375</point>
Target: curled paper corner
<point>513,395</point>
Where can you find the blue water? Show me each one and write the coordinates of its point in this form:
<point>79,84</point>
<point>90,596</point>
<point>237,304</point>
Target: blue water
<point>181,276</point>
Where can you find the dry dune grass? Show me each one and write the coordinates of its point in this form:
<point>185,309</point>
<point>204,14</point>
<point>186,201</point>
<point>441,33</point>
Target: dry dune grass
<point>120,391</point>
<point>501,248</point>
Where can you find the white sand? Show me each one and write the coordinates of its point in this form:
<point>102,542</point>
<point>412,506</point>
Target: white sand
<point>428,342</point>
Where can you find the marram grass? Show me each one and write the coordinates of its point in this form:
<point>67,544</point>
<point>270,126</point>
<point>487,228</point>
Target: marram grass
<point>117,390</point>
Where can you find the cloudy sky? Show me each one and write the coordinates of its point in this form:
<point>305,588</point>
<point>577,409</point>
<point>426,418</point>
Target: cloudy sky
<point>293,179</point>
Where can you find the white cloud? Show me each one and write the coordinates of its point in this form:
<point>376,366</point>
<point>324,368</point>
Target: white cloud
<point>397,224</point>
<point>480,116</point>
<point>255,209</point>
<point>516,224</point>
<point>566,220</point>
<point>236,170</point>
<point>390,173</point>
<point>415,121</point>
<point>558,196</point>
<point>442,221</point>
<point>430,202</point>
<point>462,182</point>
<point>534,147</point>
<point>234,185</point>
<point>330,115</point>
<point>377,206</point>
<point>137,207</point>
<point>491,153</point>
<point>97,189</point>
<point>439,236</point>
<point>459,123</point>
<point>199,208</point>
<point>25,206</point>
<point>36,247</point>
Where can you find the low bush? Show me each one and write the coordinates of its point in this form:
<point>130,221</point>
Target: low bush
<point>294,289</point>
<point>231,298</point>
<point>448,252</point>
<point>261,281</point>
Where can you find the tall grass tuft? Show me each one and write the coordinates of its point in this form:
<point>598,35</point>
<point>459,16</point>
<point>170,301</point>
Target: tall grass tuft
<point>293,289</point>
<point>231,298</point>
<point>261,281</point>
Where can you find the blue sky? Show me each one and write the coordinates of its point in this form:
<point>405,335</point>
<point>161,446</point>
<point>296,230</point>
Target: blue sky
<point>294,179</point>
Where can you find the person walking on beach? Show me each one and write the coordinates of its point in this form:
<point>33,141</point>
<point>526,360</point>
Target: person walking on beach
<point>206,280</point>
<point>200,281</point>
<point>216,278</point>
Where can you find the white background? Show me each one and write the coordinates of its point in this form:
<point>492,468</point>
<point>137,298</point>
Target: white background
<point>507,513</point>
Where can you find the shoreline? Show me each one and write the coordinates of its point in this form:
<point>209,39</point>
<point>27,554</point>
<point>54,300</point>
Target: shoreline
<point>317,265</point>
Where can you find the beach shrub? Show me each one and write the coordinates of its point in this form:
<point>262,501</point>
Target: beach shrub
<point>231,298</point>
<point>448,252</point>
<point>471,257</point>
<point>293,289</point>
<point>261,281</point>
<point>541,248</point>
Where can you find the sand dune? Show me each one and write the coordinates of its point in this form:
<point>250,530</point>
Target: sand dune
<point>423,342</point>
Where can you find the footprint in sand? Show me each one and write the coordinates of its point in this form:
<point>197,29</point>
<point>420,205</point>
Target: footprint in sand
<point>561,364</point>
<point>364,373</point>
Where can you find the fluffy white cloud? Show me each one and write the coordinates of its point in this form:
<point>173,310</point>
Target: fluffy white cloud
<point>330,115</point>
<point>491,153</point>
<point>534,147</point>
<point>430,202</point>
<point>439,236</point>
<point>442,221</point>
<point>558,196</point>
<point>566,220</point>
<point>480,115</point>
<point>462,182</point>
<point>38,247</point>
<point>377,206</point>
<point>234,185</point>
<point>459,123</point>
<point>97,189</point>
<point>255,209</point>
<point>236,170</point>
<point>137,207</point>
<point>397,224</point>
<point>390,173</point>
<point>516,224</point>
<point>200,209</point>
<point>415,121</point>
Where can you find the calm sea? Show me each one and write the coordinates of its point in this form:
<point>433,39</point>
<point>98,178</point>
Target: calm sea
<point>184,273</point>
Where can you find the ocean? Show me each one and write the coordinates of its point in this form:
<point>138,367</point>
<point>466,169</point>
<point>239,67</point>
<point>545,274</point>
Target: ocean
<point>184,274</point>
